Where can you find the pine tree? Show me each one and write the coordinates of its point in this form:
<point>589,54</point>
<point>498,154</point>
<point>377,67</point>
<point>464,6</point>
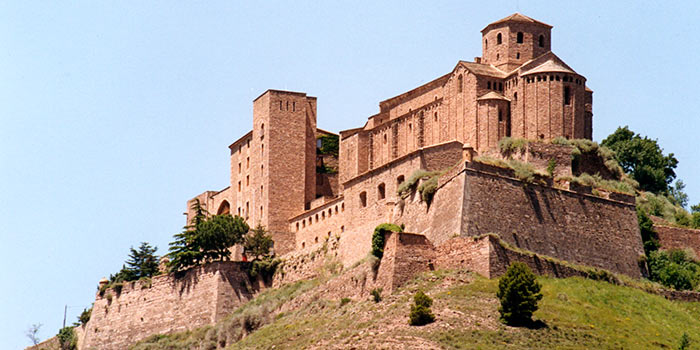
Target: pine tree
<point>258,243</point>
<point>519,292</point>
<point>143,262</point>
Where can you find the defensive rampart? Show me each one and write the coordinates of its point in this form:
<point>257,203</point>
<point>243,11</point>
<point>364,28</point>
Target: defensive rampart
<point>167,304</point>
<point>678,237</point>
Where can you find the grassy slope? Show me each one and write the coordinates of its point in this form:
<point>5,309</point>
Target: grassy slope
<point>579,313</point>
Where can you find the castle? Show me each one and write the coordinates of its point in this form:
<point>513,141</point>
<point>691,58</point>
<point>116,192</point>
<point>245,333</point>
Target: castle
<point>420,163</point>
<point>517,88</point>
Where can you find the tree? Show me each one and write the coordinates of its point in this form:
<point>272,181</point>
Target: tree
<point>678,195</point>
<point>518,292</point>
<point>207,239</point>
<point>674,268</point>
<point>33,333</point>
<point>643,159</point>
<point>143,262</point>
<point>258,243</point>
<point>420,310</point>
<point>685,342</point>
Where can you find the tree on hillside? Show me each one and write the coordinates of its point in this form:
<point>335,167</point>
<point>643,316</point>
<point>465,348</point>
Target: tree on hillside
<point>643,159</point>
<point>140,263</point>
<point>258,243</point>
<point>519,292</point>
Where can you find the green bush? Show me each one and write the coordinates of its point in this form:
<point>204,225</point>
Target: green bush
<point>329,145</point>
<point>258,243</point>
<point>674,268</point>
<point>518,292</point>
<point>378,238</point>
<point>265,268</point>
<point>649,237</point>
<point>344,301</point>
<point>551,166</point>
<point>85,316</point>
<point>67,339</point>
<point>376,294</point>
<point>685,342</point>
<point>427,189</point>
<point>408,185</point>
<point>420,310</point>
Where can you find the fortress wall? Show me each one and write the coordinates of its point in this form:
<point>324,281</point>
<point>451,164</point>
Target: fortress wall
<point>578,228</point>
<point>316,225</point>
<point>299,266</point>
<point>405,256</point>
<point>202,296</point>
<point>678,238</point>
<point>361,221</point>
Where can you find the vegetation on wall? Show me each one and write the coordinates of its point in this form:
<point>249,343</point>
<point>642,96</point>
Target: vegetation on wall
<point>518,292</point>
<point>379,237</point>
<point>141,263</point>
<point>67,339</point>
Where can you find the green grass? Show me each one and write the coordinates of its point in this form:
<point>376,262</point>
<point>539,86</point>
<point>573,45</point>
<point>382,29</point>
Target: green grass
<point>578,314</point>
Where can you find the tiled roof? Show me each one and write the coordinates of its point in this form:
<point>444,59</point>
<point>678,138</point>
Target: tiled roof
<point>492,96</point>
<point>549,66</point>
<point>517,17</point>
<point>483,69</point>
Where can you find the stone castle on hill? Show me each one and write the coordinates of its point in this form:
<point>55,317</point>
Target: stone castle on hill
<point>518,88</point>
<point>430,160</point>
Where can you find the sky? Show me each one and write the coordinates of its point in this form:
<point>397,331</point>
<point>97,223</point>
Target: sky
<point>114,113</point>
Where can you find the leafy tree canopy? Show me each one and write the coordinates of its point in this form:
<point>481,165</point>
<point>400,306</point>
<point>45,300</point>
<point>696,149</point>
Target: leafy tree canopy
<point>207,239</point>
<point>643,159</point>
<point>258,243</point>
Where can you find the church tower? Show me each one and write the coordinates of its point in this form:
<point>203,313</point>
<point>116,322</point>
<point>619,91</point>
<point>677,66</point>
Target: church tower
<point>514,40</point>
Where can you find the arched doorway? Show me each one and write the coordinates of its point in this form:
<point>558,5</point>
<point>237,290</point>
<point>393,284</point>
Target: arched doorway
<point>224,208</point>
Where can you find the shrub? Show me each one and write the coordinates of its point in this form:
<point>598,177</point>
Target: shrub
<point>523,171</point>
<point>344,301</point>
<point>67,339</point>
<point>408,185</point>
<point>685,342</point>
<point>674,268</point>
<point>551,166</point>
<point>649,237</point>
<point>510,145</point>
<point>85,316</point>
<point>264,268</point>
<point>420,310</point>
<point>427,189</point>
<point>118,287</point>
<point>109,298</point>
<point>378,238</point>
<point>376,294</point>
<point>518,292</point>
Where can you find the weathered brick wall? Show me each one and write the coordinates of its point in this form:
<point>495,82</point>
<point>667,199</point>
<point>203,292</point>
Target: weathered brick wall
<point>678,238</point>
<point>578,228</point>
<point>405,256</point>
<point>361,220</point>
<point>303,265</point>
<point>465,252</point>
<point>202,296</point>
<point>539,154</point>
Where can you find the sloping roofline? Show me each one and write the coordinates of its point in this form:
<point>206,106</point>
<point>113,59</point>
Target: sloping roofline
<point>516,17</point>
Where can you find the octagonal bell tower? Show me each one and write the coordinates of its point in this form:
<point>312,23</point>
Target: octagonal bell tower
<point>514,40</point>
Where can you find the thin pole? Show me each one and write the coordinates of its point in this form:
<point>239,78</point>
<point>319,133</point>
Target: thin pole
<point>65,309</point>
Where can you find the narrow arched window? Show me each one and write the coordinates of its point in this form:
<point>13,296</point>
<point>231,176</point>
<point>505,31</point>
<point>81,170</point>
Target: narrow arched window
<point>363,199</point>
<point>567,95</point>
<point>500,115</point>
<point>520,37</point>
<point>381,191</point>
<point>460,80</point>
<point>486,44</point>
<point>541,40</point>
<point>515,96</point>
<point>499,39</point>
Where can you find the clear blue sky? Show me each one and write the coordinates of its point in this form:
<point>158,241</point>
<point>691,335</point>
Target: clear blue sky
<point>113,114</point>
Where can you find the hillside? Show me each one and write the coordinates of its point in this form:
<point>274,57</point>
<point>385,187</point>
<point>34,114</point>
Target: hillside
<point>577,313</point>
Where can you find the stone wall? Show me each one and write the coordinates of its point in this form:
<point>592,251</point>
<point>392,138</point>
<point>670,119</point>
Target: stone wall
<point>575,227</point>
<point>678,238</point>
<point>405,256</point>
<point>169,304</point>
